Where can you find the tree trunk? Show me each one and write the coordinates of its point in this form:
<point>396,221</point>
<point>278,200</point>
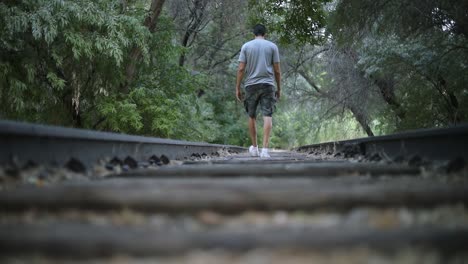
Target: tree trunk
<point>452,101</point>
<point>184,44</point>
<point>5,107</point>
<point>362,120</point>
<point>76,114</point>
<point>135,54</point>
<point>387,90</point>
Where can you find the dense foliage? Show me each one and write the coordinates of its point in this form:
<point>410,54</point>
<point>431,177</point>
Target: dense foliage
<point>63,62</point>
<point>294,21</point>
<point>350,68</point>
<point>415,52</point>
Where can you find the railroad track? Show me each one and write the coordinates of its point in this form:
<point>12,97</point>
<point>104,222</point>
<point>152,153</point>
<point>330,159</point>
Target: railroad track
<point>135,199</point>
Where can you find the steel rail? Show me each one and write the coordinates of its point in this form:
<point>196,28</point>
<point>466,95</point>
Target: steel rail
<point>23,142</point>
<point>434,144</point>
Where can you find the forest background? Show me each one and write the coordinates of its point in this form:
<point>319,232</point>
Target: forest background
<point>167,68</point>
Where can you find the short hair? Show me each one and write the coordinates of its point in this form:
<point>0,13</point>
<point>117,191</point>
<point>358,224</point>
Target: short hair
<point>259,30</point>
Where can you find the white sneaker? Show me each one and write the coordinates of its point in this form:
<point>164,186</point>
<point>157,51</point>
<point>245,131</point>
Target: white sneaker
<point>253,151</point>
<point>265,154</point>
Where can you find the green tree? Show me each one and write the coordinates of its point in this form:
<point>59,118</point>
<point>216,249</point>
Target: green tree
<point>295,21</point>
<point>58,57</point>
<point>415,52</point>
<point>98,64</point>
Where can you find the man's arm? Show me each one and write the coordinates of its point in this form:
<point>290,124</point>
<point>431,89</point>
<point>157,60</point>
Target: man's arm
<point>277,70</point>
<point>240,76</point>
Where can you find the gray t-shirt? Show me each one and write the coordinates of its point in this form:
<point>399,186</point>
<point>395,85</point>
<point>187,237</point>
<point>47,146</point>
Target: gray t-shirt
<point>259,56</point>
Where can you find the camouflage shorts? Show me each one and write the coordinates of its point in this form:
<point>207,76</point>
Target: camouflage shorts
<point>262,94</point>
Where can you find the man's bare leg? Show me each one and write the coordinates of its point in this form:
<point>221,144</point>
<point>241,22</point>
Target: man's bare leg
<point>267,124</point>
<point>253,130</point>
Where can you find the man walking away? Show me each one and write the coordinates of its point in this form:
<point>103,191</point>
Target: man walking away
<point>259,61</point>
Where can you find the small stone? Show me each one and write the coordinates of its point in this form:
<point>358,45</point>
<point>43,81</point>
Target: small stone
<point>29,165</point>
<point>351,151</point>
<point>399,159</point>
<point>14,161</point>
<point>116,161</point>
<point>456,165</point>
<point>210,218</point>
<point>32,180</point>
<point>387,219</point>
<point>375,157</point>
<point>154,160</point>
<point>165,160</point>
<point>109,166</point>
<point>12,172</point>
<point>280,218</point>
<point>75,165</point>
<point>132,163</point>
<point>143,164</point>
<point>42,175</point>
<point>415,161</point>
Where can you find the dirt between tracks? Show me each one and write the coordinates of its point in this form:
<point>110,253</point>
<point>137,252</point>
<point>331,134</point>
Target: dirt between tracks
<point>450,216</point>
<point>41,176</point>
<point>36,176</point>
